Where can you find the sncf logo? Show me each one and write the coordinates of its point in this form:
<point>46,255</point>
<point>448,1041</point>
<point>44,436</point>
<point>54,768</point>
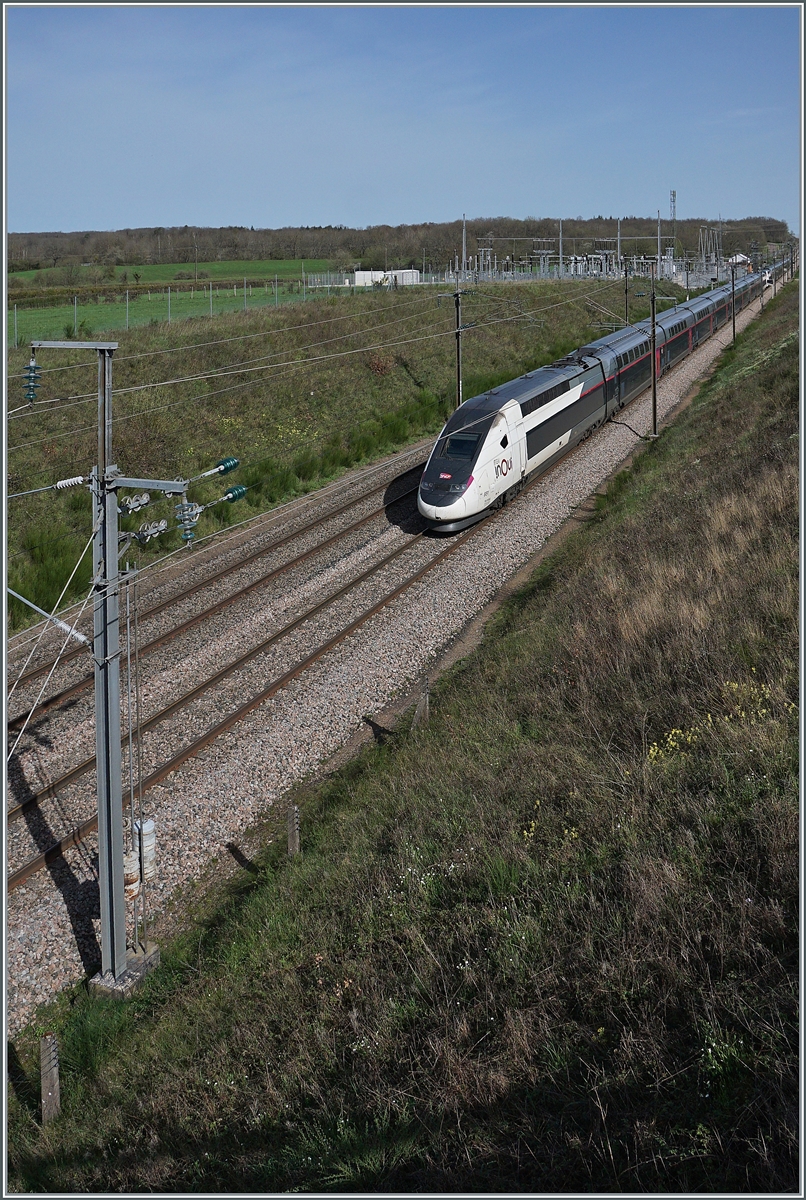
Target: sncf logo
<point>504,467</point>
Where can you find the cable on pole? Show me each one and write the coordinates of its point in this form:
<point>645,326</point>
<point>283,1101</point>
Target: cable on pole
<point>55,608</point>
<point>50,673</point>
<point>60,486</point>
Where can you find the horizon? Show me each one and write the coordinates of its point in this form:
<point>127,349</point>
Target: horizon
<point>714,221</point>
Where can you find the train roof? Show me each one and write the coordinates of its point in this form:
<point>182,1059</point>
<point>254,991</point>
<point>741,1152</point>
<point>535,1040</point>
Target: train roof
<point>478,409</point>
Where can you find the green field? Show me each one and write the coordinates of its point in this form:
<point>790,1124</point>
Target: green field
<point>103,306</point>
<point>547,943</point>
<point>288,268</point>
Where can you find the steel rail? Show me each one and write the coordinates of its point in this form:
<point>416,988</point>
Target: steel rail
<point>37,672</point>
<point>76,835</point>
<point>86,681</point>
<point>58,785</point>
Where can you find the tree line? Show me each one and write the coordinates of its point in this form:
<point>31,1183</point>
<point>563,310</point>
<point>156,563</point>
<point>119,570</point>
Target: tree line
<point>429,244</point>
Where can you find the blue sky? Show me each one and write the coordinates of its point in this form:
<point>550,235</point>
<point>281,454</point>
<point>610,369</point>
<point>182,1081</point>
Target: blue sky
<point>126,116</point>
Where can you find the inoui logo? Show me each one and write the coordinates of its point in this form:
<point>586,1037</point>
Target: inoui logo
<point>504,467</point>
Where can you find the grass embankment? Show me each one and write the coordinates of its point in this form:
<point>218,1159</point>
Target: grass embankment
<point>297,397</point>
<point>547,943</point>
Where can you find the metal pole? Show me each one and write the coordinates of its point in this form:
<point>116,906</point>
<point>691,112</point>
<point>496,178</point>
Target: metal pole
<point>106,655</point>
<point>626,299</point>
<point>15,326</point>
<point>127,308</point>
<point>659,244</point>
<point>458,299</point>
<point>276,294</point>
<point>561,249</point>
<point>244,295</point>
<point>652,345</point>
<point>169,306</point>
<point>733,298</point>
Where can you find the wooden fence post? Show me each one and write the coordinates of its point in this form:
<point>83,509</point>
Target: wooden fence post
<point>293,829</point>
<point>49,1072</point>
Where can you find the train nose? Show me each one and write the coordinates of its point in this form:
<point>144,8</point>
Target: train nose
<point>442,512</point>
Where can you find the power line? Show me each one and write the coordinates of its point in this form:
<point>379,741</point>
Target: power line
<point>53,614</point>
<point>60,485</point>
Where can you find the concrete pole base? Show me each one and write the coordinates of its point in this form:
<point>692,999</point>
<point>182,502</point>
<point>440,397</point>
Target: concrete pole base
<point>139,963</point>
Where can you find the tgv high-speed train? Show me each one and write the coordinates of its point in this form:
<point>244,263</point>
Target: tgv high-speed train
<point>493,443</point>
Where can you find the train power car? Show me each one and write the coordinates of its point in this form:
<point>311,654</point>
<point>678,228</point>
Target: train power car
<point>494,442</point>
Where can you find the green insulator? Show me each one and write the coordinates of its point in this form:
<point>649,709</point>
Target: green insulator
<point>32,380</point>
<point>235,493</point>
<point>225,465</point>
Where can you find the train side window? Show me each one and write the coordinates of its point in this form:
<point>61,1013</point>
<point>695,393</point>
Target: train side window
<point>504,442</point>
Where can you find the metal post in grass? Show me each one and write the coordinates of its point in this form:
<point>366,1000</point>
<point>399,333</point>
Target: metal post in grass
<point>244,295</point>
<point>75,316</point>
<point>15,327</point>
<point>211,299</point>
<point>626,298</point>
<point>169,306</point>
<point>127,308</point>
<point>276,293</point>
<point>652,339</point>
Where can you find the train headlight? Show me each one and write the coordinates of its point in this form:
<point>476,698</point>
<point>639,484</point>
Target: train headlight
<point>426,487</point>
<point>461,487</point>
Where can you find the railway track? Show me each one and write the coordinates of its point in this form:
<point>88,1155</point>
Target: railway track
<point>34,673</point>
<point>75,835</point>
<point>155,643</point>
<point>30,806</point>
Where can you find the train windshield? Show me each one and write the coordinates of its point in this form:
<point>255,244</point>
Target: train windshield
<point>461,447</point>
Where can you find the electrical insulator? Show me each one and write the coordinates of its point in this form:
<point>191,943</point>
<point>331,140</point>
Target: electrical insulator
<point>150,529</point>
<point>225,465</point>
<point>187,516</point>
<point>235,493</point>
<point>131,504</point>
<point>32,377</point>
